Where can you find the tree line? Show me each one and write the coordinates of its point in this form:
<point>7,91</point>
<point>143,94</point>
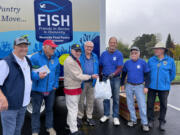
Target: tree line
<point>146,42</point>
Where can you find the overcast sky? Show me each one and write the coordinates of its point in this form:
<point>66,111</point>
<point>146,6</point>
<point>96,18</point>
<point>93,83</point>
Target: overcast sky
<point>126,19</point>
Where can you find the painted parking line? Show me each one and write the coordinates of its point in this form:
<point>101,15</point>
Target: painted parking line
<point>174,107</point>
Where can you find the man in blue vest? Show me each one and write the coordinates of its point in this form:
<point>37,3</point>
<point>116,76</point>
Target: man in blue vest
<point>15,87</point>
<point>162,73</point>
<point>44,88</point>
<point>90,66</point>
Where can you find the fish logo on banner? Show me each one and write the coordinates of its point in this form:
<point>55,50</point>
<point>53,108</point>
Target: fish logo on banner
<point>53,20</point>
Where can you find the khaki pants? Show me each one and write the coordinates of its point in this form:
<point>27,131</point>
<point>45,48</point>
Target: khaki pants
<point>88,93</point>
<point>72,106</point>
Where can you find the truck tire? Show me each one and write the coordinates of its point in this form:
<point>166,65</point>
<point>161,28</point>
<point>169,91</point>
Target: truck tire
<point>29,109</point>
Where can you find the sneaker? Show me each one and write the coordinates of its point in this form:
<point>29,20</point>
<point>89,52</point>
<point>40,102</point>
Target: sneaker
<point>145,128</point>
<point>51,131</point>
<point>116,122</point>
<point>79,122</point>
<point>162,126</point>
<point>104,119</point>
<point>131,123</point>
<point>91,122</point>
<point>151,124</point>
<point>77,133</point>
<point>35,134</point>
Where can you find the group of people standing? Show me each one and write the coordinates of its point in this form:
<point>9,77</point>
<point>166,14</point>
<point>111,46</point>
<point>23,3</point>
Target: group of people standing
<point>19,82</point>
<point>143,78</point>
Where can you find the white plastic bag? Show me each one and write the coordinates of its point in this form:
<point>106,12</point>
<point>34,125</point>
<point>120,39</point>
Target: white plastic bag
<point>102,89</point>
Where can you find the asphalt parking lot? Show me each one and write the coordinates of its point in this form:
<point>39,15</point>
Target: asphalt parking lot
<point>173,120</point>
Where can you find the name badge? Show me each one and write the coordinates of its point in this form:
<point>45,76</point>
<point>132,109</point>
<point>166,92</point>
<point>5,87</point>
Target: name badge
<point>165,63</point>
<point>114,58</point>
<point>138,66</point>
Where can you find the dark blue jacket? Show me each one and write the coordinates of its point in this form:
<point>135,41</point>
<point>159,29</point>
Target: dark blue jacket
<point>14,85</point>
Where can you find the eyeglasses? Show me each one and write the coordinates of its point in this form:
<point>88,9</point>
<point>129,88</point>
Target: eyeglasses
<point>53,48</point>
<point>90,47</point>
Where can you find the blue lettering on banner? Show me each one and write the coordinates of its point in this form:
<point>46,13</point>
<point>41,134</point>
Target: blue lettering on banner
<point>53,20</point>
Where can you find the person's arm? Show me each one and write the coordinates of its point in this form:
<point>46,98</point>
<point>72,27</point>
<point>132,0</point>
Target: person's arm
<point>36,76</point>
<point>123,77</point>
<point>57,74</point>
<point>147,79</point>
<point>3,101</point>
<point>76,74</point>
<point>100,65</point>
<point>146,70</point>
<point>118,70</point>
<point>100,73</point>
<point>173,71</point>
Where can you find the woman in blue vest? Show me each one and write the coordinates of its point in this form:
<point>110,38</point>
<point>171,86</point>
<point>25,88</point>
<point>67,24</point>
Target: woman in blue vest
<point>162,73</point>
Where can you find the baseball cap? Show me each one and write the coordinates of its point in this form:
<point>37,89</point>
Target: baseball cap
<point>50,43</point>
<point>76,47</point>
<point>135,48</point>
<point>21,40</point>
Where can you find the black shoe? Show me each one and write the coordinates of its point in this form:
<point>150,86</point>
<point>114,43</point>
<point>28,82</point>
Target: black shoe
<point>162,126</point>
<point>67,129</point>
<point>91,122</point>
<point>151,124</point>
<point>79,122</point>
<point>77,133</point>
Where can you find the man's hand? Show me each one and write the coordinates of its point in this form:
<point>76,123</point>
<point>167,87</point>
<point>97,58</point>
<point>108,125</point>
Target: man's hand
<point>111,76</point>
<point>122,88</point>
<point>94,76</point>
<point>3,102</point>
<point>42,75</point>
<point>145,90</point>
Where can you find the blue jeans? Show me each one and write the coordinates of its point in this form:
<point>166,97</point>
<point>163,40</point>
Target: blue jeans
<point>12,121</point>
<point>115,86</point>
<point>138,91</point>
<point>37,99</point>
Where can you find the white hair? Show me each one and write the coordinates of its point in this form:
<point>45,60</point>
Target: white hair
<point>113,37</point>
<point>139,53</point>
<point>88,42</point>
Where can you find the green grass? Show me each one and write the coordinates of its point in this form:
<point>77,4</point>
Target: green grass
<point>177,79</point>
<point>177,66</point>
